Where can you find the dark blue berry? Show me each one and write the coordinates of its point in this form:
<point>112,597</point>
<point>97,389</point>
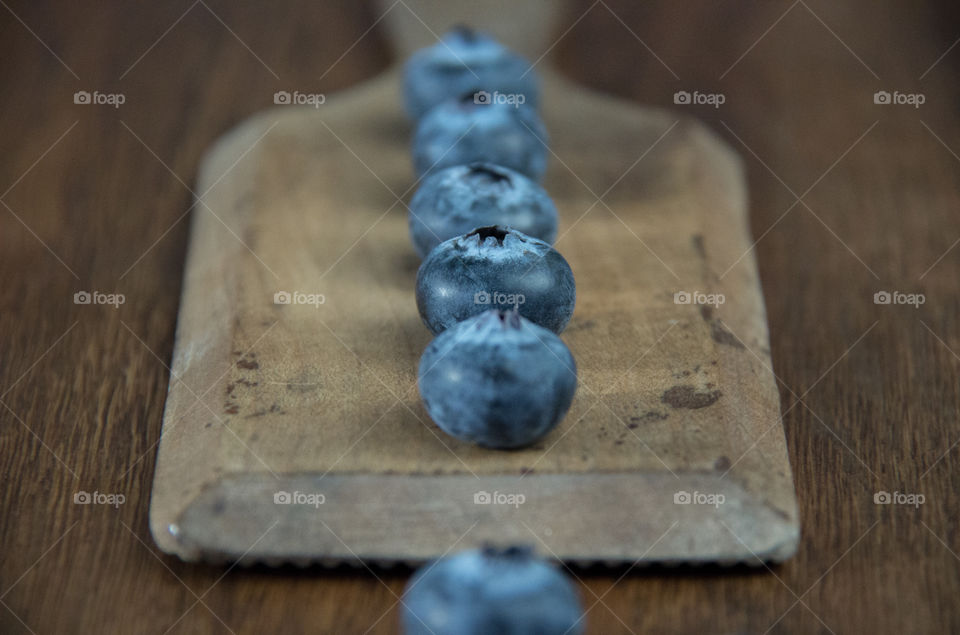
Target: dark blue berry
<point>462,131</point>
<point>456,200</point>
<point>495,267</point>
<point>465,61</point>
<point>497,380</point>
<point>491,591</point>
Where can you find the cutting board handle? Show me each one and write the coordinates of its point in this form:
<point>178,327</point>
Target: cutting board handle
<point>527,26</point>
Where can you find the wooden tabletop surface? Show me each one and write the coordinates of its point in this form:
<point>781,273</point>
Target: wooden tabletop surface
<point>848,198</point>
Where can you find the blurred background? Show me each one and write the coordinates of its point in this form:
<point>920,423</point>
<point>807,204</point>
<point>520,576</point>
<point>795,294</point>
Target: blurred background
<point>846,116</point>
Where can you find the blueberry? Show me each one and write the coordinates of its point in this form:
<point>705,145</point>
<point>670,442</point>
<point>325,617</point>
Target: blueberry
<point>495,267</point>
<point>455,200</point>
<point>461,131</point>
<point>483,591</point>
<point>497,380</point>
<point>465,61</point>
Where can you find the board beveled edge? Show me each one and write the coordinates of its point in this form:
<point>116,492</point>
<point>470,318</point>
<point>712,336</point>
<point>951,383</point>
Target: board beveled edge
<point>604,518</point>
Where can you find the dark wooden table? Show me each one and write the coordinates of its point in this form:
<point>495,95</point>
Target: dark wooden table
<point>849,198</point>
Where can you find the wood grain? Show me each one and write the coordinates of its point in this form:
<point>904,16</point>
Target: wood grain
<point>317,398</point>
<point>881,411</point>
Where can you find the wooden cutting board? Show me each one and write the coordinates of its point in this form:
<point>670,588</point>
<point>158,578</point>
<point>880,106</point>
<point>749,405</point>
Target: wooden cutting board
<point>293,432</point>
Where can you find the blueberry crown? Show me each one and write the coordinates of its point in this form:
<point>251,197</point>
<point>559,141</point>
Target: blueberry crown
<point>493,231</point>
<point>464,32</point>
<point>512,552</point>
<point>490,171</point>
<point>510,319</point>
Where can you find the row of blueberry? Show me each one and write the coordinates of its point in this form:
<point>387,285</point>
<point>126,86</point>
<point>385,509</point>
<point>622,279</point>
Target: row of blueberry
<point>491,286</point>
<point>498,378</point>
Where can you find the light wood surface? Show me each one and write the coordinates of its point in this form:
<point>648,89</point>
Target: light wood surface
<point>677,402</point>
<point>879,410</point>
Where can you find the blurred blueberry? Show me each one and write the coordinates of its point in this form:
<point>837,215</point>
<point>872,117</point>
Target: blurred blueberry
<point>495,267</point>
<point>491,591</point>
<point>462,131</point>
<point>465,61</point>
<point>497,380</point>
<point>455,200</point>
